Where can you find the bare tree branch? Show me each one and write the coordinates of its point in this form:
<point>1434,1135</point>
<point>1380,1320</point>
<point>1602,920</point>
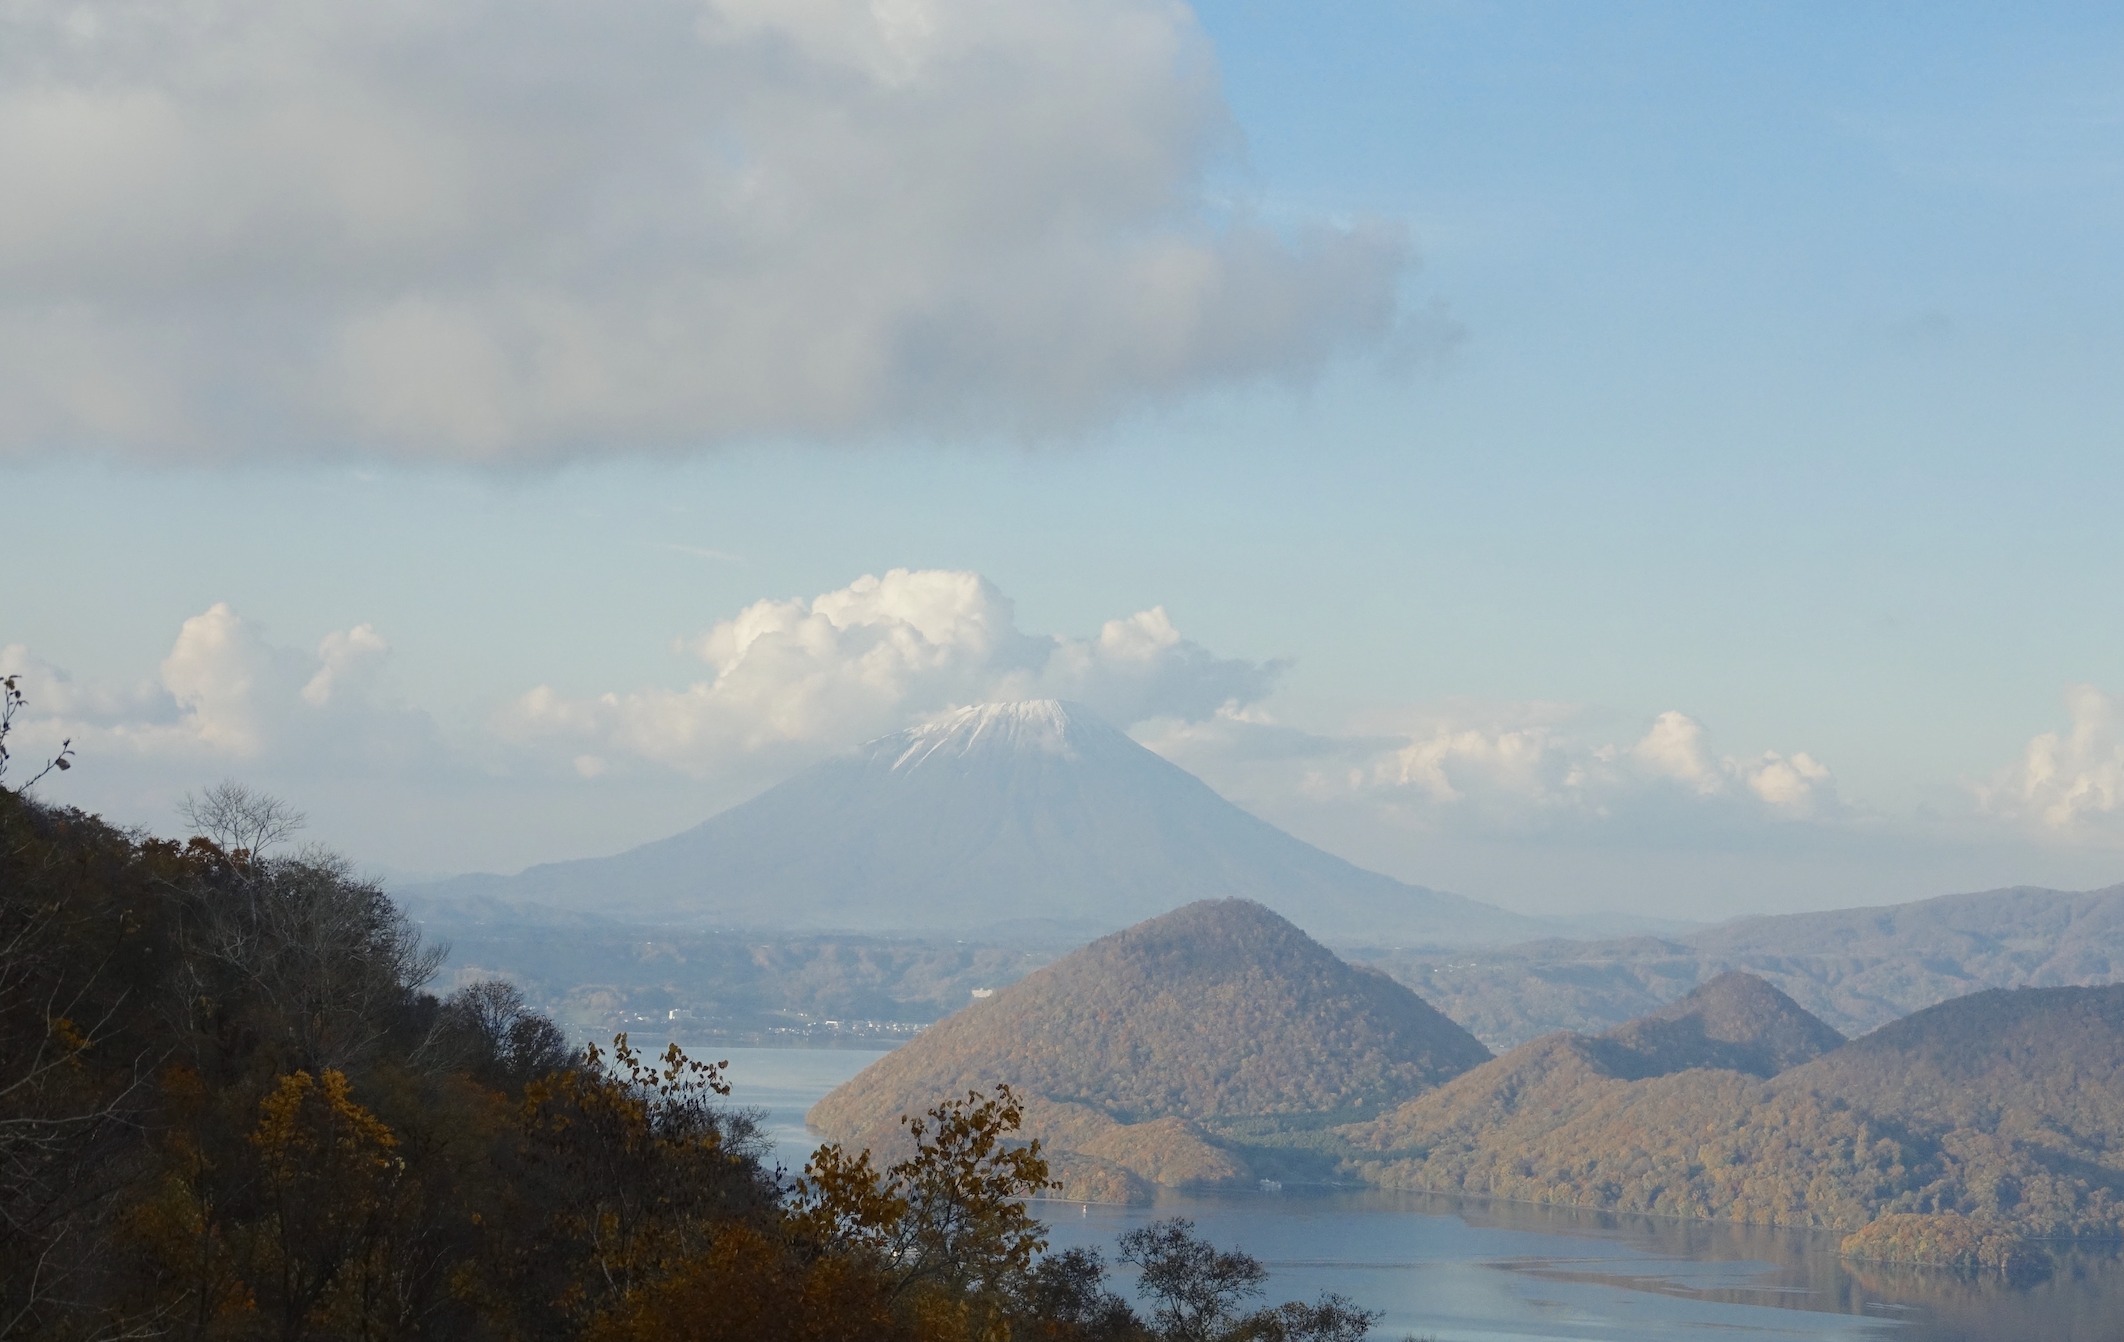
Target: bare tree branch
<point>241,819</point>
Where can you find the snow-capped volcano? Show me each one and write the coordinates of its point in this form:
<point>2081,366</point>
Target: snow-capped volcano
<point>1019,813</point>
<point>1048,725</point>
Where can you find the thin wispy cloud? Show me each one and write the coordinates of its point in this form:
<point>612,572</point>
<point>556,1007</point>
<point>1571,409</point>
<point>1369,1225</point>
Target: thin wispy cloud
<point>703,552</point>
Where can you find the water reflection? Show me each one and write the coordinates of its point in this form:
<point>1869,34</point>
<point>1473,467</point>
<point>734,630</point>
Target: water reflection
<point>2083,1301</point>
<point>1459,1270</point>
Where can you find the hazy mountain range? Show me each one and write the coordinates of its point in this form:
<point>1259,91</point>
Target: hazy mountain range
<point>999,819</point>
<point>967,852</point>
<point>1857,969</point>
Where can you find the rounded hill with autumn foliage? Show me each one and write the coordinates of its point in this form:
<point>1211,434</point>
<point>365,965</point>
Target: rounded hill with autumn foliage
<point>1735,1022</point>
<point>1219,1010</point>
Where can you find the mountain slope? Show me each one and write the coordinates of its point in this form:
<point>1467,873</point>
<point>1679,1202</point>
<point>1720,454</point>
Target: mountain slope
<point>998,815</point>
<point>1218,1010</point>
<point>1736,1024</point>
<point>2045,1065</point>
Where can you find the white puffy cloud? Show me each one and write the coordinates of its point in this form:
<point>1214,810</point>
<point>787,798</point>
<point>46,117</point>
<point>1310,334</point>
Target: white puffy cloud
<point>791,678</point>
<point>478,230</point>
<point>1674,749</point>
<point>1453,762</point>
<point>1536,765</point>
<point>1795,784</point>
<point>1505,769</point>
<point>2068,784</point>
<point>226,697</point>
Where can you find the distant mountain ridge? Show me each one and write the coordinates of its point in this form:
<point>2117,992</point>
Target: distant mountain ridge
<point>1857,968</point>
<point>1736,1022</point>
<point>1020,814</point>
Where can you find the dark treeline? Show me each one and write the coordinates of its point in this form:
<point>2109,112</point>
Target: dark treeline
<point>229,1110</point>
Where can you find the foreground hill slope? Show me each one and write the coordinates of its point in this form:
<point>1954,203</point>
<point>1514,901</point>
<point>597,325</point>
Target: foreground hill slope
<point>1001,815</point>
<point>1857,969</point>
<point>1218,1010</point>
<point>2004,1109</point>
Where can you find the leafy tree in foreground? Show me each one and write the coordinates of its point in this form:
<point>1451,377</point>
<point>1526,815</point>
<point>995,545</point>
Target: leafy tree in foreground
<point>951,1215</point>
<point>1199,1290</point>
<point>331,1183</point>
<point>1068,1290</point>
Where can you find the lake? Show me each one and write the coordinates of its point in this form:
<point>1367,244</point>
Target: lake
<point>1460,1270</point>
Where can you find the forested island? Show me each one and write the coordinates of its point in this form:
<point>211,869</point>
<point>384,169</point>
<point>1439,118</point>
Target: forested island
<point>1167,1052</point>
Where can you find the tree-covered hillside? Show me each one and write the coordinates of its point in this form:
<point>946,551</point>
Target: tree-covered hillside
<point>229,1110</point>
<point>2005,1108</point>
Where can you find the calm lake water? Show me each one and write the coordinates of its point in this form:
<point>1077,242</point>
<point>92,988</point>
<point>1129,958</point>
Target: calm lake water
<point>1457,1270</point>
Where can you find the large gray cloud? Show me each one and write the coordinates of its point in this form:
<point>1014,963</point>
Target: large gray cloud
<point>477,230</point>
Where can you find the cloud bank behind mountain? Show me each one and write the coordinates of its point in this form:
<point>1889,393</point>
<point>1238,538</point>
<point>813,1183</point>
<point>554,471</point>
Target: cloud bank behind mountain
<point>1554,806</point>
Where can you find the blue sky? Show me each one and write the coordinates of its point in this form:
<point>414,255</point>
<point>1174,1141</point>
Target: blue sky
<point>1753,364</point>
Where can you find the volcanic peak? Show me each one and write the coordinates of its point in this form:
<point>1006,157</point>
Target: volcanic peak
<point>1050,726</point>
